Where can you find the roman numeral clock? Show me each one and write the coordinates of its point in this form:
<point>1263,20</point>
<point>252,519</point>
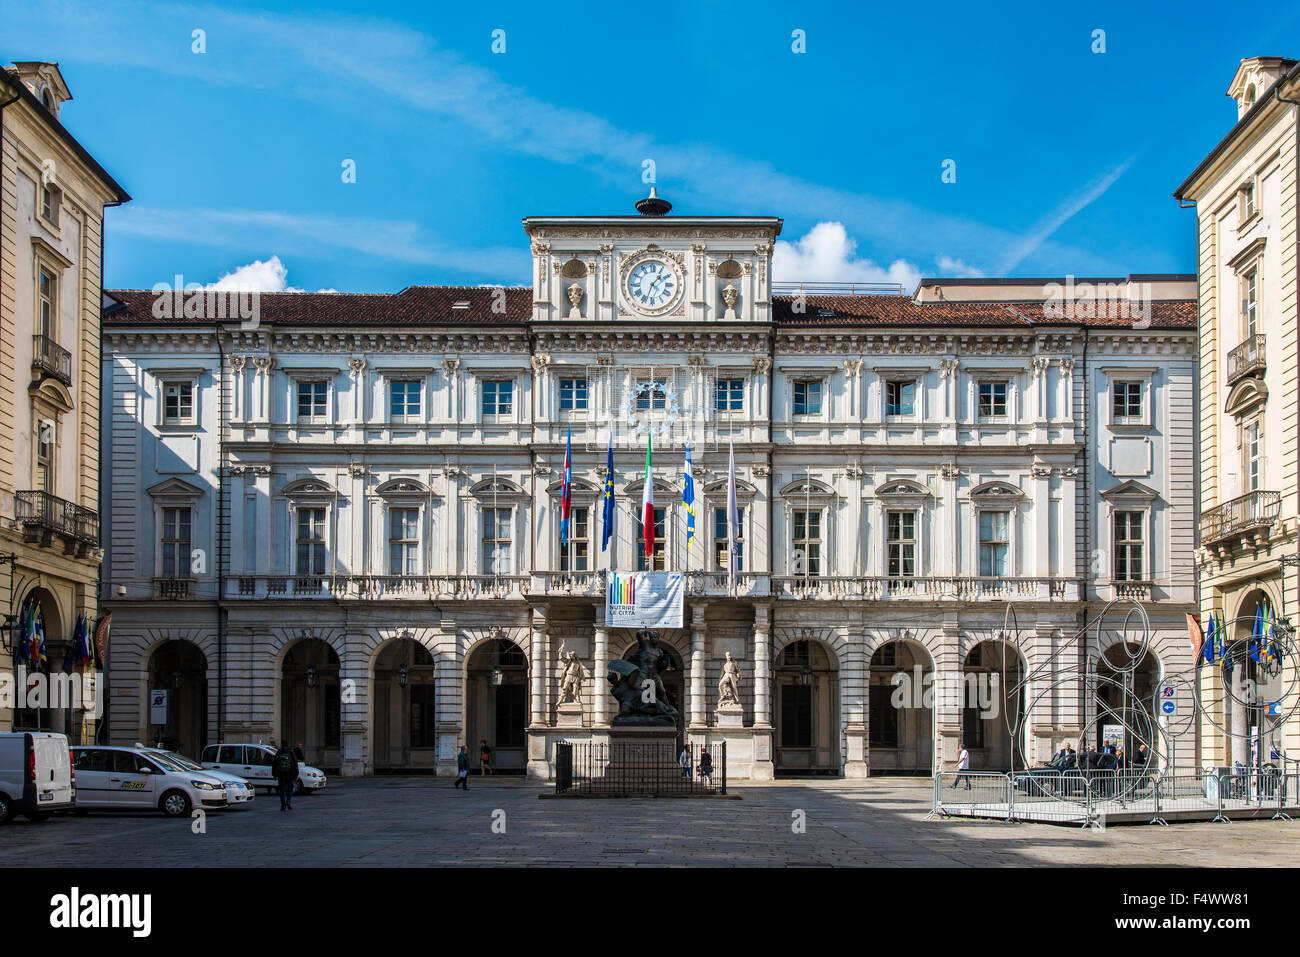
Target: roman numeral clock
<point>653,281</point>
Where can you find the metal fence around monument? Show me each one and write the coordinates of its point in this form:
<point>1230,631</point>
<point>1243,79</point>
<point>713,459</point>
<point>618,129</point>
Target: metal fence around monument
<point>636,769</point>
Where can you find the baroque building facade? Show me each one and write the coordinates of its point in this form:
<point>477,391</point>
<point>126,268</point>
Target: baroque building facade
<point>1246,204</point>
<point>52,199</point>
<point>336,519</point>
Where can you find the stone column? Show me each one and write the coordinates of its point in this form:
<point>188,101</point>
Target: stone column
<point>449,694</point>
<point>947,707</point>
<point>537,667</point>
<point>699,632</point>
<point>353,760</point>
<point>762,768</point>
<point>854,675</point>
<point>600,697</point>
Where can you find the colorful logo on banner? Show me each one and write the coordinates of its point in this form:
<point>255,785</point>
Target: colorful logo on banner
<point>645,599</point>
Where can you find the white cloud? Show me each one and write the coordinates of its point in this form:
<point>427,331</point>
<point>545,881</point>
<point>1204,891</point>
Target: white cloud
<point>826,253</point>
<point>259,276</point>
<point>955,267</point>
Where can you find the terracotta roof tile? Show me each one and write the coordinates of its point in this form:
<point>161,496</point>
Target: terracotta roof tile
<point>473,305</point>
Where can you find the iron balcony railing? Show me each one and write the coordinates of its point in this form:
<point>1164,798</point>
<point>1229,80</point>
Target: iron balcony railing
<point>174,587</point>
<point>1247,358</point>
<point>41,510</point>
<point>51,359</point>
<point>1250,511</point>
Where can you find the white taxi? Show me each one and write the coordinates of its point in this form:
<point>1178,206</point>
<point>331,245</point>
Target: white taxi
<point>124,779</point>
<point>238,791</point>
<point>252,762</point>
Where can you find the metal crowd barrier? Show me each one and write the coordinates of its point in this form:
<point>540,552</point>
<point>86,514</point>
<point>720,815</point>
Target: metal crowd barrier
<point>1089,797</point>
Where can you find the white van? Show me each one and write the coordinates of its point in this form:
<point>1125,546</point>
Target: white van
<point>36,776</point>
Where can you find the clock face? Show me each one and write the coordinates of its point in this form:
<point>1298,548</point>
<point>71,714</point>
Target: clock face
<point>652,284</point>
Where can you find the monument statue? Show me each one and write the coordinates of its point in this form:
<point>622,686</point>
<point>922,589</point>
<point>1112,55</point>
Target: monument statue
<point>636,684</point>
<point>571,675</point>
<point>729,683</point>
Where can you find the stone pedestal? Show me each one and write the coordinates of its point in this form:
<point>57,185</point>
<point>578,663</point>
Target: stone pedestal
<point>568,714</point>
<point>642,759</point>
<point>729,716</point>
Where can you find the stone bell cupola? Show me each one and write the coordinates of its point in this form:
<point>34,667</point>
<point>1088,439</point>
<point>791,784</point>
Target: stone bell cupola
<point>1253,78</point>
<point>45,82</point>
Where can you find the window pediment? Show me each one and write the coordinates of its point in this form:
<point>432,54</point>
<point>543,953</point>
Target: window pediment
<point>175,488</point>
<point>903,488</point>
<point>398,487</point>
<point>1245,396</point>
<point>307,488</point>
<point>719,487</point>
<point>53,394</point>
<point>496,487</point>
<point>634,489</point>
<point>1131,491</point>
<point>991,492</point>
<point>579,487</point>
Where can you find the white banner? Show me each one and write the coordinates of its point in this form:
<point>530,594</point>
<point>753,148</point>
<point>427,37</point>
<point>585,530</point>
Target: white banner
<point>645,599</point>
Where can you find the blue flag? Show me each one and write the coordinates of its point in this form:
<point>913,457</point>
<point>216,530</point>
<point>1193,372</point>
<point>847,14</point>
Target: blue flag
<point>1211,636</point>
<point>607,516</point>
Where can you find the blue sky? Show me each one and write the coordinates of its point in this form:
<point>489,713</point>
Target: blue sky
<point>1065,159</point>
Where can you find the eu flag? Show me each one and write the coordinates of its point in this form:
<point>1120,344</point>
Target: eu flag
<point>607,516</point>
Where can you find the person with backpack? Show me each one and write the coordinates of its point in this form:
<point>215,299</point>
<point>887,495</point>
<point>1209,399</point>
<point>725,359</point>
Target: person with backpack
<point>706,765</point>
<point>285,768</point>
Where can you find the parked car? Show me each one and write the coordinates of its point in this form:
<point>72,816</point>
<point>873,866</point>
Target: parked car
<point>238,791</point>
<point>253,763</point>
<point>36,776</point>
<point>116,778</point>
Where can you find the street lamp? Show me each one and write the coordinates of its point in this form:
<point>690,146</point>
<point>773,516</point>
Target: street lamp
<point>402,677</point>
<point>311,676</point>
<point>806,676</point>
<point>498,675</point>
<point>177,680</point>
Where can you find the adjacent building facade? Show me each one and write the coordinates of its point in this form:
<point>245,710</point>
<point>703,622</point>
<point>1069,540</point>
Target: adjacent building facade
<point>52,199</point>
<point>1246,206</point>
<point>335,518</point>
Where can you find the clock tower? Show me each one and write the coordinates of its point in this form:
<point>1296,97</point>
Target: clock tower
<point>652,267</point>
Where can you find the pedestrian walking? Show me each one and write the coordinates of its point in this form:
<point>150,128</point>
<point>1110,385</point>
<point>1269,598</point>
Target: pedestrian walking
<point>963,765</point>
<point>298,754</point>
<point>706,765</point>
<point>484,757</point>
<point>462,769</point>
<point>285,768</point>
<point>684,759</point>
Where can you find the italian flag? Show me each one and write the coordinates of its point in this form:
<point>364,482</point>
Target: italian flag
<point>648,504</point>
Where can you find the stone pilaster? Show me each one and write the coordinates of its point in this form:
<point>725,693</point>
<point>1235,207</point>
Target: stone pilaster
<point>600,697</point>
<point>699,636</point>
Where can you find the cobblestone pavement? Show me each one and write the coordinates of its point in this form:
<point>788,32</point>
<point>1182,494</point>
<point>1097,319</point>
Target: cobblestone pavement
<point>413,822</point>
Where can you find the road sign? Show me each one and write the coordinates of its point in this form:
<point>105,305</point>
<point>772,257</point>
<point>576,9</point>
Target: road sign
<point>1167,691</point>
<point>158,706</point>
<point>1168,706</point>
<point>1273,709</point>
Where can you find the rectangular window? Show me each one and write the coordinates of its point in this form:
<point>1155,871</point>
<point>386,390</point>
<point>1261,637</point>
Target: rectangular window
<point>574,555</point>
<point>808,397</point>
<point>992,400</point>
<point>901,541</point>
<point>900,397</point>
<point>806,542</point>
<point>994,543</point>
<point>1250,302</point>
<point>45,443</point>
<point>660,549</point>
<point>720,538</point>
<point>729,396</point>
<point>573,395</point>
<point>47,311</point>
<point>404,400</point>
<point>176,543</point>
<point>178,403</point>
<point>424,716</point>
<point>1248,207</point>
<point>497,541</point>
<point>311,541</point>
<point>883,717</point>
<point>651,396</point>
<point>796,716</point>
<point>1126,403</point>
<point>1253,447</point>
<point>1128,547</point>
<point>403,541</point>
<point>498,397</point>
<point>50,205</point>
<point>972,728</point>
<point>313,399</point>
